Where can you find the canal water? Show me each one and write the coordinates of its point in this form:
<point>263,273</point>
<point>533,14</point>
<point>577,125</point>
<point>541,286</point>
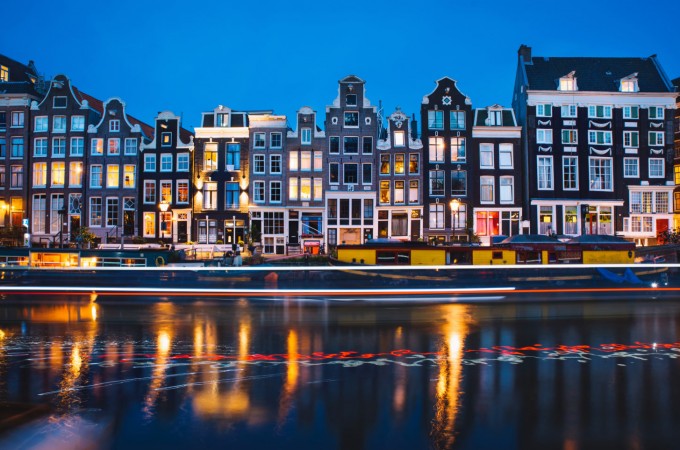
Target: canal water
<point>287,374</point>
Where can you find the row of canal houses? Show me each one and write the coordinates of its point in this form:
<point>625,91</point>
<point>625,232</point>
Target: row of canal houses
<point>587,148</point>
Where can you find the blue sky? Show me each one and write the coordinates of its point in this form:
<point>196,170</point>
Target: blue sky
<point>190,56</point>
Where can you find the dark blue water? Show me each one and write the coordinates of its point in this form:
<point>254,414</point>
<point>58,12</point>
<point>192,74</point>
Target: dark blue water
<point>311,375</point>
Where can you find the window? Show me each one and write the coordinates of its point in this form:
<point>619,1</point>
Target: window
<point>258,191</point>
<point>275,192</point>
<point>569,111</point>
<point>17,147</point>
<point>545,172</point>
<point>17,180</point>
<point>305,189</point>
<point>458,183</point>
<point>130,146</point>
<point>114,125</point>
<point>77,146</point>
<point>210,196</point>
<point>413,192</point>
<point>505,159</point>
<point>4,73</point>
<point>436,149</point>
<point>367,175</point>
<point>351,99</point>
<point>222,120</point>
<point>486,156</point>
<point>436,216</point>
<point>166,162</point>
<point>384,194</point>
<point>631,112</point>
<point>399,164</point>
<point>318,189</point>
<point>59,102</point>
<point>655,112</point>
<point>293,188</point>
<point>259,140</point>
<point>95,211</point>
<point>59,147</point>
<point>436,182</point>
<point>543,136</point>
<point>306,136</point>
<point>112,176</point>
<point>3,178</point>
<point>114,146</point>
<point>413,164</point>
<point>305,161</point>
<point>58,173</point>
<point>18,119</point>
<point>661,202</point>
<point>399,192</point>
<point>435,120</point>
<point>458,153</point>
<point>457,120</point>
<point>112,211</point>
<point>351,119</point>
<point>231,195</point>
<point>568,83</point>
<point>507,189</point>
<point>399,139</point>
<point>630,139</point>
<point>258,164</point>
<point>275,164</point>
<point>182,162</point>
<point>600,174</point>
<point>486,189</point>
<point>600,112</point>
<point>676,171</point>
<point>275,140</point>
<point>97,146</point>
<point>149,162</point>
<point>569,136</point>
<point>96,176</point>
<point>656,138</point>
<point>129,176</point>
<point>384,164</point>
<point>78,123</point>
<point>318,162</point>
<point>334,144</point>
<point>149,191</point>
<point>3,147</point>
<point>656,168</point>
<point>334,173</point>
<point>39,213</point>
<point>350,145</point>
<point>40,147</point>
<point>599,137</point>
<point>166,139</point>
<point>59,124</point>
<point>544,110</point>
<point>495,117</point>
<point>75,174</point>
<point>570,173</point>
<point>350,175</point>
<point>39,174</point>
<point>41,124</point>
<point>629,85</point>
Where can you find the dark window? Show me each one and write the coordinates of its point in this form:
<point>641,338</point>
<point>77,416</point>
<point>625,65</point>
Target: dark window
<point>334,144</point>
<point>368,145</point>
<point>351,145</point>
<point>351,99</point>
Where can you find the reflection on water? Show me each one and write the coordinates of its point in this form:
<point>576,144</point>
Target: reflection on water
<point>296,375</point>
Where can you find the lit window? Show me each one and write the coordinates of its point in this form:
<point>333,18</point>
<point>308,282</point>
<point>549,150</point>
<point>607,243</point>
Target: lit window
<point>568,82</point>
<point>399,139</point>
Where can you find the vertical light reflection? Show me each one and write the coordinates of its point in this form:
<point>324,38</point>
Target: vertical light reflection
<point>75,366</point>
<point>448,389</point>
<point>3,369</point>
<point>164,335</point>
<point>292,373</point>
<point>400,377</point>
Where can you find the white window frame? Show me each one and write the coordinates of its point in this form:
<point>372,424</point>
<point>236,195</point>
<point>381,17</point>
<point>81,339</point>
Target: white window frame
<point>564,172</point>
<point>544,136</point>
<point>659,169</point>
<point>486,152</point>
<point>630,163</point>
<point>550,175</point>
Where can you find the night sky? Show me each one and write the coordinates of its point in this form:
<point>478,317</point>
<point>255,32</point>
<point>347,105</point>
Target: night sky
<point>190,56</point>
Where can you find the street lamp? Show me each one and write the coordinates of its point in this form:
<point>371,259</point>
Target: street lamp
<point>455,207</point>
<point>164,206</point>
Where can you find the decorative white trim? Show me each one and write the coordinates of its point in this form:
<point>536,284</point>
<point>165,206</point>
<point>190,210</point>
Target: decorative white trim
<point>599,125</point>
<point>544,122</point>
<point>600,152</point>
<point>655,125</point>
<point>544,149</point>
<point>655,151</point>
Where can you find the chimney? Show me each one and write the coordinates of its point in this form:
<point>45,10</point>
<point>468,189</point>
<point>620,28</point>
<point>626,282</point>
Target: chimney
<point>524,53</point>
<point>414,127</point>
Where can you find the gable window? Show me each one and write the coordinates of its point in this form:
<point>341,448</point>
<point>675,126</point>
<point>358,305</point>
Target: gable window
<point>351,119</point>
<point>656,168</point>
<point>631,167</point>
<point>631,112</point>
<point>569,173</point>
<point>600,111</point>
<point>544,110</point>
<point>166,139</point>
<point>655,112</point>
<point>435,120</point>
<point>114,126</point>
<point>457,120</point>
<point>545,172</point>
<point>77,123</point>
<point>59,102</point>
<point>4,73</point>
<point>399,139</point>
<point>306,136</point>
<point>351,99</point>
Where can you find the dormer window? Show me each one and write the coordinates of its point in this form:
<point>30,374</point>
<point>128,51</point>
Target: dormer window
<point>495,117</point>
<point>629,83</point>
<point>568,82</point>
<point>222,120</point>
<point>4,73</point>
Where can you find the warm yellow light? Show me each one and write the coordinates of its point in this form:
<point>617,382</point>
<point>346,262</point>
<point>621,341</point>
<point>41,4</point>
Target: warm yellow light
<point>455,204</point>
<point>2,334</point>
<point>163,343</point>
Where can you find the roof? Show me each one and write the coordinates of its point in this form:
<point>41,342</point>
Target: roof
<point>98,106</point>
<point>21,77</point>
<point>483,113</point>
<point>596,74</point>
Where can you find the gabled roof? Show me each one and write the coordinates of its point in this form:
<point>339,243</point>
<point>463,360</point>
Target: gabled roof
<point>22,77</point>
<point>596,74</point>
<point>351,79</point>
<point>98,106</point>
